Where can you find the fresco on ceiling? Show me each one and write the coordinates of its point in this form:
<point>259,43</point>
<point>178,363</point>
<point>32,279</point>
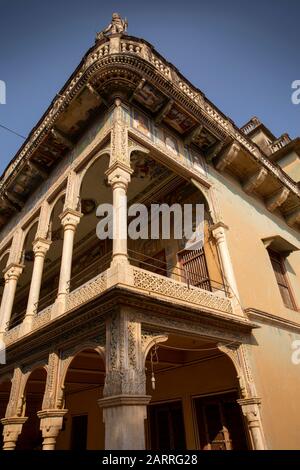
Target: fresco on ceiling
<point>166,140</point>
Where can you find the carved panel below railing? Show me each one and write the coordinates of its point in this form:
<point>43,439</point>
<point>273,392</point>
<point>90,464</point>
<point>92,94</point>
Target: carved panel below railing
<point>155,283</point>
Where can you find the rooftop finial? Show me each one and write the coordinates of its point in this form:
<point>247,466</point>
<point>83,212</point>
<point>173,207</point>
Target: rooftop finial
<point>116,26</point>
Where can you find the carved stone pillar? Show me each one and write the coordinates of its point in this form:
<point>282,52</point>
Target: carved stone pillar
<point>40,249</point>
<point>250,409</point>
<point>12,428</point>
<point>69,219</point>
<point>125,400</point>
<point>119,175</point>
<point>14,417</point>
<point>218,232</point>
<point>51,424</point>
<point>118,178</point>
<point>11,276</point>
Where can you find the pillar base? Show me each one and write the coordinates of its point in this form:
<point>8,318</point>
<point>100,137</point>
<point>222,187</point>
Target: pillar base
<point>12,428</point>
<point>124,417</point>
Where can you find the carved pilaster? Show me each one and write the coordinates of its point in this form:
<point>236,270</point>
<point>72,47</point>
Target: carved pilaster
<point>125,400</point>
<point>16,247</point>
<point>72,200</point>
<point>119,137</point>
<point>52,396</point>
<point>125,371</point>
<point>44,218</point>
<point>251,411</point>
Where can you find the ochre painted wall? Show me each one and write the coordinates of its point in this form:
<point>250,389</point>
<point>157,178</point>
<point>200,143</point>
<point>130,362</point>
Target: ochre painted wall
<point>276,377</point>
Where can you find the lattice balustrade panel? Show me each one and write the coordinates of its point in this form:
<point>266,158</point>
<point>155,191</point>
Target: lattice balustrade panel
<point>88,291</point>
<point>176,290</point>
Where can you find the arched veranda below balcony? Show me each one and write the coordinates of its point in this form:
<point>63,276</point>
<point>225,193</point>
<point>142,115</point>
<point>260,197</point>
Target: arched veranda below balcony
<point>5,388</point>
<point>82,384</point>
<point>24,281</point>
<point>32,399</point>
<point>194,402</point>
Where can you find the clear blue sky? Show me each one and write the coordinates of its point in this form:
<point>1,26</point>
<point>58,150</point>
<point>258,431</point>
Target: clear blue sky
<point>242,54</point>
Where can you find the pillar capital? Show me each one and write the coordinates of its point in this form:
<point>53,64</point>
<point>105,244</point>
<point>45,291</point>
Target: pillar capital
<point>124,400</point>
<point>50,425</point>
<point>41,246</point>
<point>13,271</point>
<point>250,408</point>
<point>218,230</point>
<point>119,175</point>
<point>12,428</point>
<point>70,219</point>
<point>249,405</point>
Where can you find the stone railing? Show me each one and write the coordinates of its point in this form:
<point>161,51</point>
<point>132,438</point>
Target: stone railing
<point>280,143</point>
<point>138,280</point>
<point>175,290</point>
<point>250,126</point>
<point>87,291</point>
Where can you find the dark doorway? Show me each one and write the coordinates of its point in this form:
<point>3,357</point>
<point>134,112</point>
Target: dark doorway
<point>79,432</point>
<point>167,426</point>
<point>220,423</point>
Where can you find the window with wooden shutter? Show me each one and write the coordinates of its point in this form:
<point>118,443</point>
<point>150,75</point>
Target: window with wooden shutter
<point>193,263</point>
<point>277,261</point>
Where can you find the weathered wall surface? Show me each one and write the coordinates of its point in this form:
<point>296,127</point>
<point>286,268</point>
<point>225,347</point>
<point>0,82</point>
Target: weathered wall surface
<point>277,378</point>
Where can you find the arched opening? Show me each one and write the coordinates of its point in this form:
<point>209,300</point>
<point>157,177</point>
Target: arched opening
<point>83,427</point>
<point>23,286</point>
<point>50,278</point>
<point>194,404</point>
<point>154,184</point>
<point>91,256</point>
<point>5,388</point>
<point>31,436</point>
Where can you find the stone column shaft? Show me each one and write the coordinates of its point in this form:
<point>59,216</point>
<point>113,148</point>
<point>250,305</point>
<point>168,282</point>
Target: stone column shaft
<point>69,219</point>
<point>250,409</point>
<point>40,249</point>
<point>119,178</point>
<point>125,400</point>
<point>11,276</point>
<point>218,232</point>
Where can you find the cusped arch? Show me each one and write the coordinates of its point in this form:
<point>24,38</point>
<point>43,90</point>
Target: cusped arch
<point>52,204</point>
<point>5,253</point>
<point>69,356</point>
<point>26,231</point>
<point>90,163</point>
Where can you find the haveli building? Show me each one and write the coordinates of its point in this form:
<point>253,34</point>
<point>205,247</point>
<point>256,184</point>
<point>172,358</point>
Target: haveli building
<point>91,326</point>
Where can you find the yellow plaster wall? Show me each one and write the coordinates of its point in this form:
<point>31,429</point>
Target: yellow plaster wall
<point>78,404</point>
<point>291,165</point>
<point>276,377</point>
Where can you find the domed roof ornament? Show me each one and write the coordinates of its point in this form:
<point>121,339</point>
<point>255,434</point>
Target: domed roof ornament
<point>116,26</point>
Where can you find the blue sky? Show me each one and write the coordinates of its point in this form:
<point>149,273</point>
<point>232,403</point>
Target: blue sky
<point>243,55</point>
